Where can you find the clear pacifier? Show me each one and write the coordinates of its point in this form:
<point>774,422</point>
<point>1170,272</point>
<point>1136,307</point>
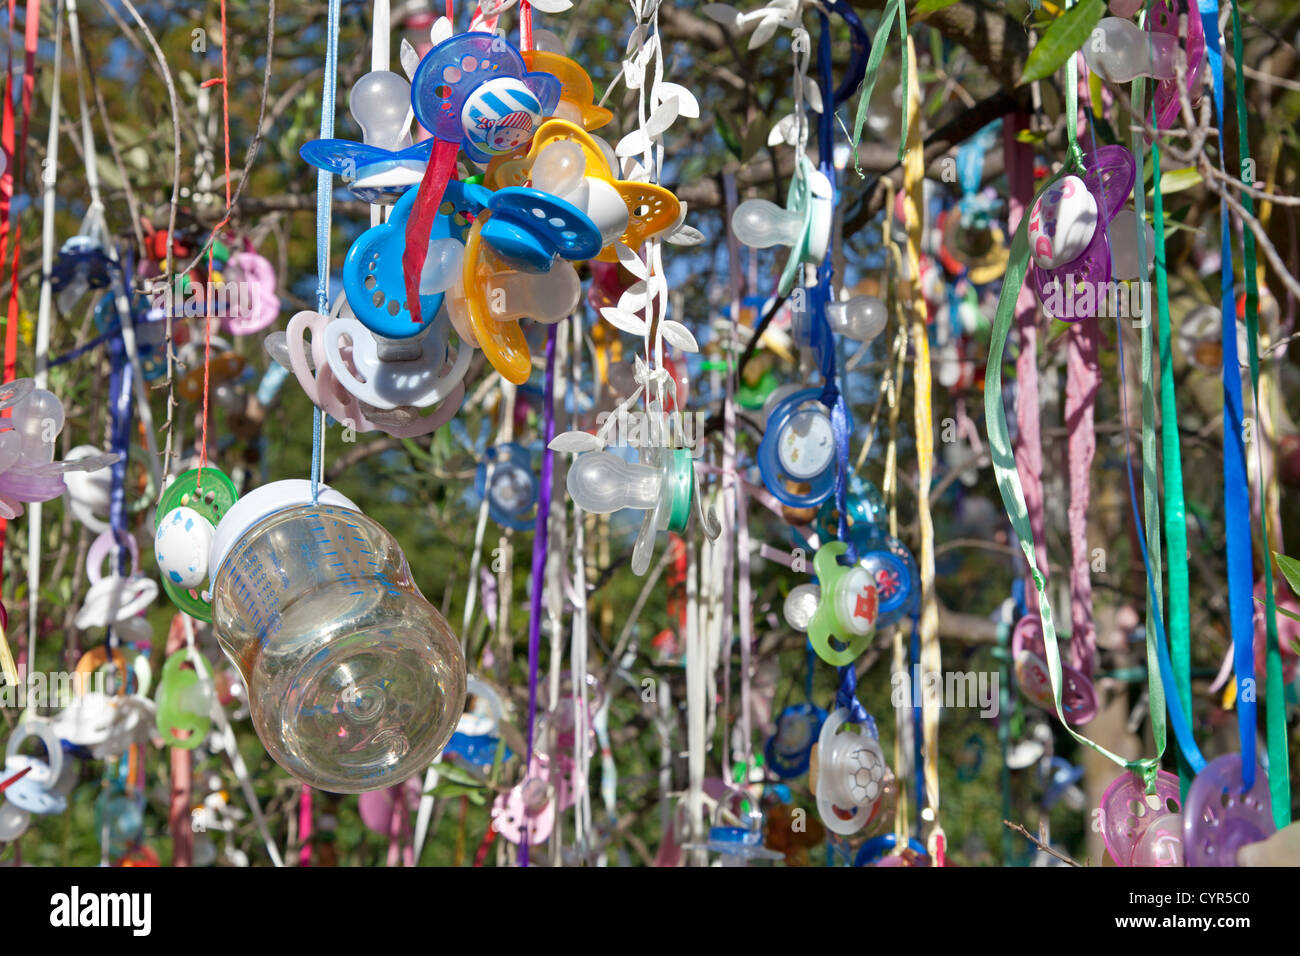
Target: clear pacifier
<point>850,776</point>
<point>804,224</point>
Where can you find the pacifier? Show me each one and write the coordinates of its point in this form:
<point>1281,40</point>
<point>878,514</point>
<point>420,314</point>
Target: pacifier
<point>373,280</point>
<point>185,700</point>
<point>37,790</point>
<point>1119,51</point>
<point>1124,260</point>
<point>879,851</point>
<point>860,318</point>
<point>119,819</point>
<point>475,89</point>
<point>224,365</point>
<point>1078,699</point>
<point>1068,226</point>
<point>512,493</point>
<point>662,485</point>
<point>186,520</point>
<point>798,446</point>
<point>387,374</point>
<point>850,775</point>
<point>528,809</point>
<point>577,102</point>
<point>491,297</point>
<point>107,724</point>
<point>475,740</point>
<point>891,566</point>
<point>1220,816</point>
<point>573,165</point>
<point>385,166</point>
<point>381,810</point>
<point>256,272</point>
<point>1142,830</point>
<point>843,620</point>
<point>804,225</point>
<point>789,750</point>
<point>114,597</point>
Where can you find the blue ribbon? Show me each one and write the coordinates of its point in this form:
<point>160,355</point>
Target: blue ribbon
<point>1236,491</point>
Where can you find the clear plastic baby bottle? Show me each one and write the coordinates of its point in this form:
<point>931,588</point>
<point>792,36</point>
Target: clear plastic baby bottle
<point>355,681</point>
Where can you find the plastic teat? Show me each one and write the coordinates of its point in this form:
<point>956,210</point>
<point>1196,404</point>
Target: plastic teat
<point>861,318</point>
<point>759,224</point>
<point>1124,246</point>
<point>545,297</point>
<point>381,103</point>
<point>1119,51</point>
<point>601,482</point>
<point>38,419</point>
<point>559,168</point>
<point>442,266</point>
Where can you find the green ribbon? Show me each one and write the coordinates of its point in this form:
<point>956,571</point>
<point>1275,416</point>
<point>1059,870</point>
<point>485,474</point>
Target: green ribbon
<point>1279,771</point>
<point>894,10</point>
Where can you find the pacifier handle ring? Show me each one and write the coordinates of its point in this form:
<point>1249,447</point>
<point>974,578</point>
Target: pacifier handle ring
<point>93,660</point>
<point>101,548</point>
<point>293,338</point>
<point>47,736</point>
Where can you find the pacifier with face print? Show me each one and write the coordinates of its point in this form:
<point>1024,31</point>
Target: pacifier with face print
<point>850,774</point>
<point>386,165</point>
<point>798,448</point>
<point>789,749</point>
<point>475,89</point>
<point>1141,829</point>
<point>1067,234</point>
<point>804,224</point>
<point>848,603</point>
<point>188,513</point>
<point>505,477</point>
<point>1078,699</point>
<point>114,597</point>
<point>573,165</point>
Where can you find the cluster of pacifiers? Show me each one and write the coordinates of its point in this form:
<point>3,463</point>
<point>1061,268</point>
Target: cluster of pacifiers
<point>490,249</point>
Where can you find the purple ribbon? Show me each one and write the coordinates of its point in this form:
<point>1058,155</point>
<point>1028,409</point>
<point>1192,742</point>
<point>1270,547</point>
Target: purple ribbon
<point>540,535</point>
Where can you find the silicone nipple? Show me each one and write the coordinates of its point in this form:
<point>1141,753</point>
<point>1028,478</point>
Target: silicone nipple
<point>559,168</point>
<point>1124,246</point>
<point>442,266</point>
<point>1119,51</point>
<point>380,103</point>
<point>601,482</point>
<point>759,224</point>
<point>546,296</point>
<point>861,318</point>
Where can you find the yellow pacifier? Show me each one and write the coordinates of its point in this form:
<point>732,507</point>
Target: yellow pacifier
<point>577,95</point>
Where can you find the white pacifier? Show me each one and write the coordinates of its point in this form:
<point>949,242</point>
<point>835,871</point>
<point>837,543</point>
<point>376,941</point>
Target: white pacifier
<point>1062,223</point>
<point>113,598</point>
<point>851,772</point>
<point>392,373</point>
<point>181,545</point>
<point>37,791</point>
<point>90,493</point>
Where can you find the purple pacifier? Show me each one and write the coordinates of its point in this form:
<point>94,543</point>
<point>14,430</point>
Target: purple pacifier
<point>1067,233</point>
<point>1163,20</point>
<point>1128,813</point>
<point>1078,699</point>
<point>1219,819</point>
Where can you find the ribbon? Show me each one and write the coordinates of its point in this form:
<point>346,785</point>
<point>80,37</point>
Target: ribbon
<point>1279,771</point>
<point>1236,490</point>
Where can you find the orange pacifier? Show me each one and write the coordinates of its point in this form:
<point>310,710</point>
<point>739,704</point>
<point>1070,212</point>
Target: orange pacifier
<point>577,95</point>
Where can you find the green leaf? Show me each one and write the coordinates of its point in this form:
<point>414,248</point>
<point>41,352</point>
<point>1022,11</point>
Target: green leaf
<point>930,6</point>
<point>728,133</point>
<point>1176,180</point>
<point>1280,610</point>
<point>446,789</point>
<point>1062,40</point>
<point>1291,569</point>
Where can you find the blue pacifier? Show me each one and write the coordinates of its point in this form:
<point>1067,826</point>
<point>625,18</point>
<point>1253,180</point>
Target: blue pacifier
<point>798,446</point>
<point>789,750</point>
<point>372,272</point>
<point>474,89</point>
<point>529,228</point>
<point>512,495</point>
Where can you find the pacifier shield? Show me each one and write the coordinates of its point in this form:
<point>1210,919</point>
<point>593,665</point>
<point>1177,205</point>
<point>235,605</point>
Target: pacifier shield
<point>1219,818</point>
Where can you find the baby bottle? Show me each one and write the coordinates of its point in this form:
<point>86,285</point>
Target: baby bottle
<point>355,681</point>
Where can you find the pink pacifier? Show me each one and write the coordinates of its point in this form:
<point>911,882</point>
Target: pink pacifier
<point>1068,239</point>
<point>378,807</point>
<point>528,807</point>
<point>1078,699</point>
<point>1163,20</point>
<point>1219,818</point>
<point>257,272</point>
<point>1142,830</point>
